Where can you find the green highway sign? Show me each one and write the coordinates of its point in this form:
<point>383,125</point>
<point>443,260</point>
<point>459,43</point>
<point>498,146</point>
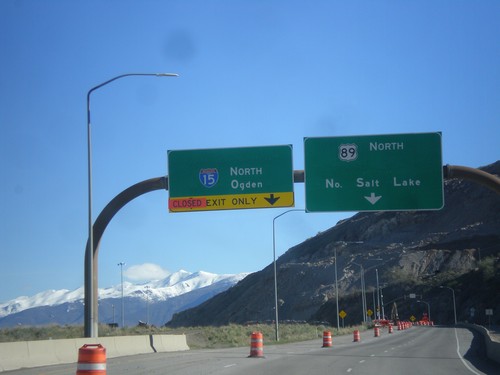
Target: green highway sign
<point>230,178</point>
<point>392,172</point>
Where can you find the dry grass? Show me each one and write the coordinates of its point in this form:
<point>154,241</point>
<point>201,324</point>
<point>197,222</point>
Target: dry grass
<point>232,335</point>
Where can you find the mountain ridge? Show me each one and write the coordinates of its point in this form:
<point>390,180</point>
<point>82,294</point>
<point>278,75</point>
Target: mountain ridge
<point>181,289</point>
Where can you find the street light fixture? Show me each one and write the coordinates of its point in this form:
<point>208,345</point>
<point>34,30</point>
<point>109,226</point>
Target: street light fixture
<point>91,315</point>
<point>454,303</point>
<point>276,325</point>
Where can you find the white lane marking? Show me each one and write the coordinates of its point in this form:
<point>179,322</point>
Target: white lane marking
<point>372,355</point>
<point>231,365</point>
<point>349,369</point>
<point>361,361</point>
<point>460,356</point>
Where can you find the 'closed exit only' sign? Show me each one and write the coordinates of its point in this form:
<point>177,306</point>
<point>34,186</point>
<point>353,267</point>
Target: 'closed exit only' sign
<point>230,178</point>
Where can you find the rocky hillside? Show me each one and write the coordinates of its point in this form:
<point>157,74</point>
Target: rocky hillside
<point>414,252</point>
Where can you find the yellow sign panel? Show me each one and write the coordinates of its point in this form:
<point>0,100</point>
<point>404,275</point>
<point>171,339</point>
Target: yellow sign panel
<point>342,314</point>
<point>231,202</point>
<point>369,312</point>
<point>412,318</point>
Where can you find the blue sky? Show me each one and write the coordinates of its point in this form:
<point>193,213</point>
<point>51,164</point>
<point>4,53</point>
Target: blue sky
<point>252,73</point>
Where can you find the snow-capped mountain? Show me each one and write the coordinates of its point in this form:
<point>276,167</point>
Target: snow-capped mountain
<point>161,298</point>
<point>46,298</point>
<point>176,284</point>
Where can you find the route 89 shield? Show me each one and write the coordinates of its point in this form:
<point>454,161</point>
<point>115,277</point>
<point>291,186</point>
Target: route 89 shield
<point>348,152</point>
<point>209,177</point>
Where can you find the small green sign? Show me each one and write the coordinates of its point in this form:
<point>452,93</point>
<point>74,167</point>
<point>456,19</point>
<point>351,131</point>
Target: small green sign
<point>230,178</point>
<point>394,172</point>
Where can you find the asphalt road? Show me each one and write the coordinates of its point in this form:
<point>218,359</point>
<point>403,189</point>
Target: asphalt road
<point>418,350</point>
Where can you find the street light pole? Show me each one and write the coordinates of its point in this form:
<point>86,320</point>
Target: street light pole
<point>121,264</point>
<point>365,305</point>
<point>363,288</point>
<point>91,316</point>
<point>276,324</point>
<point>454,303</point>
<point>382,300</point>
<point>428,309</point>
<point>363,300</point>
<point>378,295</point>
<point>147,304</point>
<point>336,291</point>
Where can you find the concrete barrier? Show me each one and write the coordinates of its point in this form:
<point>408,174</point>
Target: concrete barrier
<point>41,353</point>
<point>126,345</point>
<point>492,346</point>
<point>169,343</point>
<point>66,351</point>
<point>15,355</point>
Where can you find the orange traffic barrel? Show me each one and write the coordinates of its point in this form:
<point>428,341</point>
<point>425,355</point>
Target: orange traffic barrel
<point>376,332</point>
<point>256,345</point>
<point>327,339</point>
<point>357,336</point>
<point>390,328</point>
<point>91,360</point>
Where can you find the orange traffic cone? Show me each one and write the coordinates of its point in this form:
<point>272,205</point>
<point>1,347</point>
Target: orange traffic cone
<point>257,345</point>
<point>91,360</point>
<point>327,339</point>
<point>357,336</point>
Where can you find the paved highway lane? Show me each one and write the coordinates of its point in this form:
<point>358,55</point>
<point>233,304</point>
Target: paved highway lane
<point>418,350</point>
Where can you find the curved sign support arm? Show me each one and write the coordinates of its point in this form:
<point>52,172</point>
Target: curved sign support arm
<point>102,221</point>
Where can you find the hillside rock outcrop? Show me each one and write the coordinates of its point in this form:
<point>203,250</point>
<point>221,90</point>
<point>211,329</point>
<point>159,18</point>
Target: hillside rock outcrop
<point>407,249</point>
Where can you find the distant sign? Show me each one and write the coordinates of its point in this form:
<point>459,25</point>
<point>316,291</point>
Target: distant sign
<point>230,178</point>
<point>374,173</point>
<point>342,314</point>
<point>369,312</point>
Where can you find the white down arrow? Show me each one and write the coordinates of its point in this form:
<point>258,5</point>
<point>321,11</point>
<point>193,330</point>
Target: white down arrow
<point>373,198</point>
